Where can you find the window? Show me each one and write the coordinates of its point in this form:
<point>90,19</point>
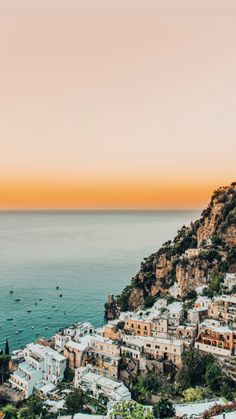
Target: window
<point>148,345</point>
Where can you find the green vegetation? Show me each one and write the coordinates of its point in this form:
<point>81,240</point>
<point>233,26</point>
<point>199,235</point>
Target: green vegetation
<point>123,298</point>
<point>10,411</point>
<point>75,401</point>
<point>215,283</point>
<point>193,370</point>
<point>69,375</point>
<point>4,367</point>
<point>145,386</point>
<point>163,409</point>
<point>7,350</point>
<point>120,325</point>
<point>31,408</point>
<point>193,394</point>
<point>149,301</point>
<point>202,370</point>
<point>130,410</point>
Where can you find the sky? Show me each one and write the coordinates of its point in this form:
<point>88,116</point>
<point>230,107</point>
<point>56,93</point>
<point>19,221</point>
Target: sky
<point>116,103</point>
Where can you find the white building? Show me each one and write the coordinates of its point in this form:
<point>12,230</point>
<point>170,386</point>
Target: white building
<point>42,365</point>
<point>175,291</point>
<point>74,332</point>
<point>97,385</point>
<point>230,281</point>
<point>60,341</point>
<point>175,314</point>
<point>26,378</point>
<point>199,290</point>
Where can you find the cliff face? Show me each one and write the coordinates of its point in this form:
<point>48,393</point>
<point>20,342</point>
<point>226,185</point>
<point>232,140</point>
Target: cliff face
<point>206,247</point>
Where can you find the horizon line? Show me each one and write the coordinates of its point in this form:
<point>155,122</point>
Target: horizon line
<point>97,209</point>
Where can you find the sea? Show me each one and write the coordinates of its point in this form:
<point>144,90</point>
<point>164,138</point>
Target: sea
<point>61,265</point>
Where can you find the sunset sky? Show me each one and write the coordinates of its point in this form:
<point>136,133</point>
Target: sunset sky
<point>116,103</point>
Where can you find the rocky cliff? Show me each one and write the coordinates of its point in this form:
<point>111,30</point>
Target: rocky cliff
<point>207,247</point>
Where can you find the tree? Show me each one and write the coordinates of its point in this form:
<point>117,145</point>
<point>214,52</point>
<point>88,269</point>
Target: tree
<point>10,412</point>
<point>163,409</point>
<point>213,376</point>
<point>23,413</point>
<point>34,405</point>
<point>7,350</point>
<point>193,370</point>
<point>215,283</point>
<point>145,386</point>
<point>4,364</point>
<point>75,400</point>
<point>69,375</point>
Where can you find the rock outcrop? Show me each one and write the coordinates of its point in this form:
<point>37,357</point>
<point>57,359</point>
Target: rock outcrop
<point>205,248</point>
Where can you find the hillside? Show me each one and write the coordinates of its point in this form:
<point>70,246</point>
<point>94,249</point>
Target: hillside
<point>198,253</point>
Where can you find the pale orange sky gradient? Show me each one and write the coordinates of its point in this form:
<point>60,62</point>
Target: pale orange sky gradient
<point>116,103</point>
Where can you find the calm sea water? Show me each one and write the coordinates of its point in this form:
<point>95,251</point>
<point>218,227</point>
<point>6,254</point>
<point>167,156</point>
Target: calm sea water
<point>86,254</point>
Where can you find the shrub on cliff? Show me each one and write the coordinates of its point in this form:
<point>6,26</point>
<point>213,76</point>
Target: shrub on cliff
<point>149,301</point>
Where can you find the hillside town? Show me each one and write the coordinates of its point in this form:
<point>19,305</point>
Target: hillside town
<point>167,350</point>
<point>148,340</point>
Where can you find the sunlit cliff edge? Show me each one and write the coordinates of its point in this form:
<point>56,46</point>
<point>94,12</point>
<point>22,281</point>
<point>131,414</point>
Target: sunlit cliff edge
<point>205,248</point>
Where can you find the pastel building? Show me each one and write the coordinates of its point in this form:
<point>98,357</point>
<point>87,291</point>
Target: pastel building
<point>42,365</point>
<point>157,348</point>
<point>224,308</point>
<point>76,352</point>
<point>217,340</point>
<point>138,326</point>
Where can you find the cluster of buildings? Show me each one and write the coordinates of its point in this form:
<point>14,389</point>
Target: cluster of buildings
<point>159,334</point>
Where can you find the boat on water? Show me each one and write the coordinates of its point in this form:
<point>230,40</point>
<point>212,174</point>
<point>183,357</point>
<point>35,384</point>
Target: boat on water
<point>61,295</point>
<point>40,299</point>
<point>28,311</point>
<point>32,327</point>
<point>57,287</point>
<point>11,291</point>
<point>9,320</point>
<point>17,332</point>
<point>53,306</point>
<point>17,299</point>
<point>20,331</point>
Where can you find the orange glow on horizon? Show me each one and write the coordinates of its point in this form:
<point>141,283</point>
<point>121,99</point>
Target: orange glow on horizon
<point>38,194</point>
